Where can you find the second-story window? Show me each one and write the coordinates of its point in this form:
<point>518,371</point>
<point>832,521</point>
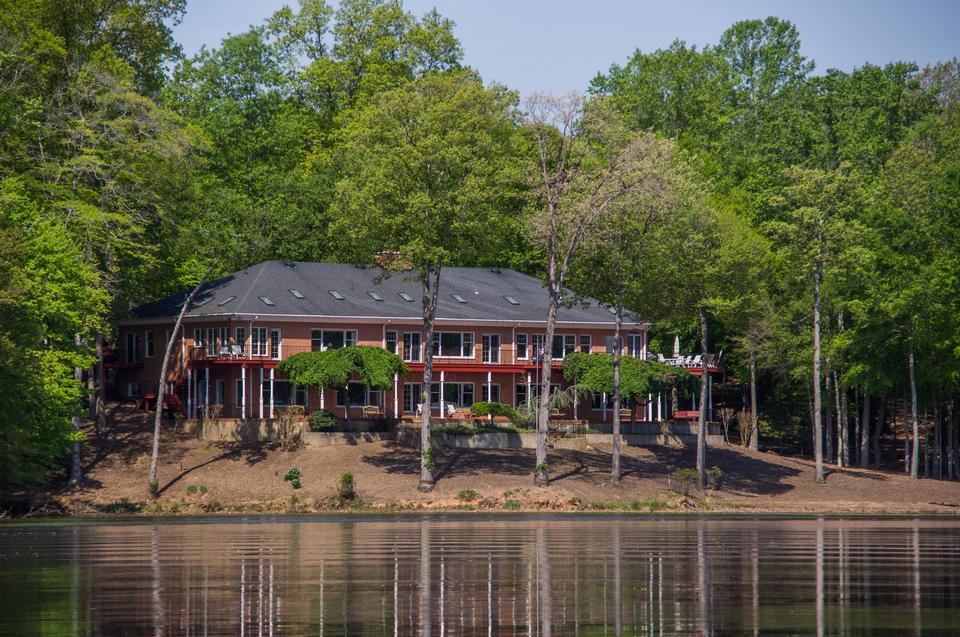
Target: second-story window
<point>275,344</point>
<point>635,345</point>
<point>538,340</point>
<point>321,340</point>
<point>391,341</point>
<point>258,341</point>
<point>522,347</point>
<point>453,344</point>
<point>148,344</point>
<point>411,346</point>
<point>240,342</point>
<point>491,348</point>
<point>563,344</point>
<point>211,342</point>
<point>131,353</point>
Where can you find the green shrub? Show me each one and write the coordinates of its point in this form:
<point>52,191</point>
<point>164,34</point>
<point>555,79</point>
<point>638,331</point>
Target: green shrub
<point>293,476</point>
<point>467,494</point>
<point>684,480</point>
<point>525,416</point>
<point>511,505</point>
<point>714,475</point>
<point>322,420</point>
<point>493,409</point>
<point>346,488</point>
<point>191,489</point>
<point>203,489</point>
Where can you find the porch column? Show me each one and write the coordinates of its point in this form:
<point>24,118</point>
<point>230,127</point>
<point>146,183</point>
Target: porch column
<point>322,390</point>
<point>649,407</point>
<point>261,393</point>
<point>243,392</point>
<point>206,392</point>
<point>271,392</point>
<point>443,410</point>
<point>396,384</point>
<point>659,406</point>
<point>604,398</point>
<point>694,398</point>
<point>190,393</point>
<point>490,393</point>
<point>528,390</point>
<point>710,397</point>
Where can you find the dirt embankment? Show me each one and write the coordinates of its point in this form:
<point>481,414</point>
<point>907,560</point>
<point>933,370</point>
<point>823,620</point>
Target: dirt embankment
<point>201,477</point>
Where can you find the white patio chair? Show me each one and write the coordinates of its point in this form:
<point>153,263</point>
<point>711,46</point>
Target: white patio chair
<point>451,410</point>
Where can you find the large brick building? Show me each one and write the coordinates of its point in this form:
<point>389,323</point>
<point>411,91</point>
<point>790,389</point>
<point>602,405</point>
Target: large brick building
<point>490,327</point>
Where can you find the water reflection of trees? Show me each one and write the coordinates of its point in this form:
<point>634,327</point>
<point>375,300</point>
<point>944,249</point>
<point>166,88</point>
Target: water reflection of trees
<point>467,577</point>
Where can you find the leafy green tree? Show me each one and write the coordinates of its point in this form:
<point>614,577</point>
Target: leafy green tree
<point>427,174</point>
<point>375,367</point>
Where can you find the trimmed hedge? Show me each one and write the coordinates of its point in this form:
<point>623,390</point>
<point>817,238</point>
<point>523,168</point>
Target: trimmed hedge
<point>493,409</point>
<point>322,420</point>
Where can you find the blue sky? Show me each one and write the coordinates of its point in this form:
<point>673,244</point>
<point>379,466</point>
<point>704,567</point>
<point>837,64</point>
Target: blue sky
<point>559,45</point>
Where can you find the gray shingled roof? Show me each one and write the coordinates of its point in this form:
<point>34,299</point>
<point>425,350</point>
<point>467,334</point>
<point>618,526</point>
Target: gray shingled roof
<point>484,290</point>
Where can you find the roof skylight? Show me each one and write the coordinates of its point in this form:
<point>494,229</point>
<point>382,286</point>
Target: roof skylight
<point>202,301</point>
<point>266,300</point>
<point>226,300</point>
<point>611,309</point>
<point>511,300</point>
<point>458,298</point>
<point>336,295</point>
<point>406,297</point>
<point>297,293</point>
<point>375,296</point>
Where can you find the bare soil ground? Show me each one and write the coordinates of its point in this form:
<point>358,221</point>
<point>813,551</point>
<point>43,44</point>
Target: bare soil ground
<point>198,476</point>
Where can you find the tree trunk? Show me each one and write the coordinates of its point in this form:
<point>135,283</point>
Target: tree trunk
<point>617,353</point>
<point>937,443</point>
<point>76,471</point>
<point>865,432</point>
<point>541,476</point>
<point>754,417</point>
<point>951,440</point>
<point>702,416</point>
<point>431,290</point>
<point>915,452</point>
<point>841,422</point>
<point>817,402</point>
<point>100,416</point>
<point>828,413</point>
<point>154,482</point>
<point>881,413</point>
<point>843,431</point>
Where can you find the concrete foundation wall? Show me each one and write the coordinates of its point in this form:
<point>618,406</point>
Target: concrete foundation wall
<point>411,438</point>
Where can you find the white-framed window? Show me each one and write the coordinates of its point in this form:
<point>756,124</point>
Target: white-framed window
<point>133,390</point>
<point>456,394</point>
<point>411,396</point>
<point>521,344</point>
<point>240,336</point>
<point>148,344</point>
<point>586,343</point>
<point>258,341</point>
<point>210,344</point>
<point>198,337</point>
<point>131,353</point>
<point>491,348</point>
<point>275,340</point>
<point>238,392</point>
<point>219,391</point>
<point>520,392</point>
<point>635,345</point>
<point>563,344</point>
<point>494,393</point>
<point>321,340</point>
<point>411,347</point>
<point>596,404</point>
<point>390,341</point>
<point>358,395</point>
<point>453,344</point>
<point>537,340</point>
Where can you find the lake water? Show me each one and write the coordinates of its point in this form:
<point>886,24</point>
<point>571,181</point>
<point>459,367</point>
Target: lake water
<point>458,575</point>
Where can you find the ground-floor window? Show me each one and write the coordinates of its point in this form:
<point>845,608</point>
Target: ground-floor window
<point>411,396</point>
<point>597,403</point>
<point>133,390</point>
<point>358,395</point>
<point>238,392</point>
<point>521,392</point>
<point>456,394</point>
<point>491,394</point>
